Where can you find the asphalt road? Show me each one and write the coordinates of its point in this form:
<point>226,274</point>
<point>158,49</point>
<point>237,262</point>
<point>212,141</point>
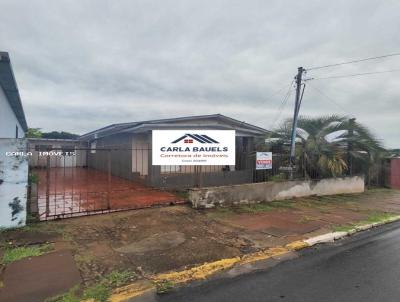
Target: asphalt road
<point>365,267</point>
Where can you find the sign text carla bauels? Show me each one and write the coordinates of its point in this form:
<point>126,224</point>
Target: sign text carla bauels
<point>193,147</point>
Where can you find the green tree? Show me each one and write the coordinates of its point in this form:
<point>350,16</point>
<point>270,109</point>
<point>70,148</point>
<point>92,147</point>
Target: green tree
<point>34,133</point>
<point>60,135</point>
<point>331,145</point>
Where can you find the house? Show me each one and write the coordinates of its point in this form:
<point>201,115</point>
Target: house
<point>65,146</point>
<point>12,116</point>
<point>130,144</point>
<point>13,167</point>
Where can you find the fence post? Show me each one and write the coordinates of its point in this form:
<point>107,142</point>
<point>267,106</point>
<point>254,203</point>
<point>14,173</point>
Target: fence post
<point>47,186</point>
<point>109,180</point>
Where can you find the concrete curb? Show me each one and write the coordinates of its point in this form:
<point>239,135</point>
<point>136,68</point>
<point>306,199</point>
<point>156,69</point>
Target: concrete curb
<point>331,237</point>
<point>206,270</point>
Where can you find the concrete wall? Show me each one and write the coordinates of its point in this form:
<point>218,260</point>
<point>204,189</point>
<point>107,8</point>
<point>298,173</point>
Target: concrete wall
<point>13,183</point>
<point>8,119</point>
<point>269,191</point>
<point>183,180</point>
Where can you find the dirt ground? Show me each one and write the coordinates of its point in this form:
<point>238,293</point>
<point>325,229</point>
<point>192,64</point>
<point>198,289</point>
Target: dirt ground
<point>156,240</point>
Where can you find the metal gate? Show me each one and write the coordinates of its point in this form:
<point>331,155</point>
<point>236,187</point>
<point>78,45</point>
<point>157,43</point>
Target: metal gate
<point>74,181</point>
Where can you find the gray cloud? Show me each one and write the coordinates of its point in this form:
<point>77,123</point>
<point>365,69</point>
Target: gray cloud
<point>82,65</point>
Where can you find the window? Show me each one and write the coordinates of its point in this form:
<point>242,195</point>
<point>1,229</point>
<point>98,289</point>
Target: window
<point>170,169</point>
<point>93,147</point>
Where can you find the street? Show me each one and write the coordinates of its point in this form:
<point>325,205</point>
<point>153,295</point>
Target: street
<point>365,267</point>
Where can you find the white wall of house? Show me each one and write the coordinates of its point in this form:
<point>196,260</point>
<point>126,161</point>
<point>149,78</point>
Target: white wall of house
<point>8,119</point>
<point>40,159</point>
<point>13,183</point>
<point>140,154</point>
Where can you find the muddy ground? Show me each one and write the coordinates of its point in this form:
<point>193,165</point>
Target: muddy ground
<point>156,240</point>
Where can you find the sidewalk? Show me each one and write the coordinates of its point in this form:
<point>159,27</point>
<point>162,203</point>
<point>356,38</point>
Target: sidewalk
<point>153,241</point>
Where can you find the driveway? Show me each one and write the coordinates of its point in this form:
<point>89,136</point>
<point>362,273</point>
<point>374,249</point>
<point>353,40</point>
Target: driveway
<point>78,191</point>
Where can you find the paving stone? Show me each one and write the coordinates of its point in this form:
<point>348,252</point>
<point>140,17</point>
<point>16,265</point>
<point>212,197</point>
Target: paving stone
<point>37,278</point>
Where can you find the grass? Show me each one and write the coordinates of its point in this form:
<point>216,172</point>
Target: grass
<point>343,228</point>
<point>379,217</point>
<point>220,213</point>
<point>266,206</point>
<point>376,217</point>
<point>164,286</point>
<point>100,291</point>
<point>18,253</point>
<point>184,194</point>
<point>256,208</point>
<point>225,212</point>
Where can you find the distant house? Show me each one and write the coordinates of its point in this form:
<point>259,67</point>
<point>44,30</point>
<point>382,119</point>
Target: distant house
<point>131,158</point>
<point>12,117</point>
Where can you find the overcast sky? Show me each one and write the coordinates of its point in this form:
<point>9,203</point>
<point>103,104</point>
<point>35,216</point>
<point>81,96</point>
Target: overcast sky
<point>81,65</point>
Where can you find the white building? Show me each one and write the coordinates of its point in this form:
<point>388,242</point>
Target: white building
<point>13,168</point>
<point>12,117</point>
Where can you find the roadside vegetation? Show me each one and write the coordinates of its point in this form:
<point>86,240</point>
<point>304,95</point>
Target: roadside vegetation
<point>17,253</point>
<point>378,217</point>
<point>99,291</point>
<point>221,212</point>
<point>164,286</point>
<point>330,146</point>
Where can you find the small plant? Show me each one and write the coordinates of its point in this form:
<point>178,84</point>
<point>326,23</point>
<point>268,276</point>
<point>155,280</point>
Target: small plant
<point>33,178</point>
<point>119,278</point>
<point>98,292</point>
<point>256,208</point>
<point>278,177</point>
<point>220,212</point>
<point>373,218</point>
<point>282,204</point>
<point>184,194</point>
<point>379,217</point>
<point>17,253</point>
<point>164,286</point>
<point>343,228</point>
<point>71,296</point>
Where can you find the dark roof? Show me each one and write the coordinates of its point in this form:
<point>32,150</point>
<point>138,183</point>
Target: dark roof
<point>186,121</point>
<point>9,85</point>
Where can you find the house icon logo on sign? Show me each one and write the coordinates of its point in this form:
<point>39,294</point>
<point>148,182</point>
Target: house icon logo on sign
<point>190,138</point>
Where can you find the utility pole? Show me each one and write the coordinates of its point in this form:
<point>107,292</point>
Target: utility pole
<point>292,159</point>
<point>352,123</point>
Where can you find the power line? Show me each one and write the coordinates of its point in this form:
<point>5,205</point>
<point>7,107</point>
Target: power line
<point>355,61</point>
<point>331,100</point>
<point>282,105</point>
<point>353,75</point>
<point>268,98</point>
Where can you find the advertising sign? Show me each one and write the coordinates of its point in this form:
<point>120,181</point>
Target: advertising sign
<point>193,147</point>
<point>264,161</point>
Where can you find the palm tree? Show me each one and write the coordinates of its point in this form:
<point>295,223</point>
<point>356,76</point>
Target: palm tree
<point>330,145</point>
